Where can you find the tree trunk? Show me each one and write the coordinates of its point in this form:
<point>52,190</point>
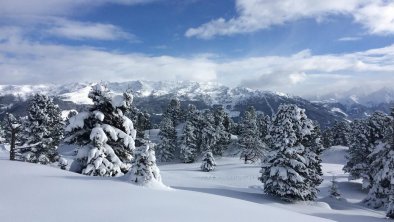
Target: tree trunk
<point>12,145</point>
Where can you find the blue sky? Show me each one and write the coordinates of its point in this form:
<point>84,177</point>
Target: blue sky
<point>291,46</point>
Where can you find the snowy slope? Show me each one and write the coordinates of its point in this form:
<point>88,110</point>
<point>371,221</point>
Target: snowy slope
<point>30,192</point>
<point>39,193</point>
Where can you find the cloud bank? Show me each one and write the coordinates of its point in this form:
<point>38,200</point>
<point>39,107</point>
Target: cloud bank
<point>303,73</point>
<point>376,16</point>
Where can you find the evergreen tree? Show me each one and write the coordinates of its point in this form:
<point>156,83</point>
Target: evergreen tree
<point>341,133</point>
<point>367,134</point>
<point>381,159</point>
<point>2,134</point>
<point>190,140</point>
<point>291,170</point>
<point>12,130</point>
<point>42,131</point>
<point>250,141</point>
<point>142,124</point>
<point>101,158</point>
<point>174,111</point>
<point>327,137</point>
<point>222,126</point>
<point>313,149</point>
<point>168,139</point>
<point>263,123</point>
<point>168,136</point>
<point>105,135</point>
<point>334,193</point>
<point>208,162</point>
<point>359,150</point>
<point>144,169</point>
<point>209,135</point>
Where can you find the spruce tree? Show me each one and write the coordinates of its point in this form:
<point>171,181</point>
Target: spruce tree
<point>291,170</point>
<point>42,131</point>
<point>381,159</point>
<point>367,134</point>
<point>209,135</point>
<point>252,146</point>
<point>334,192</point>
<point>222,126</point>
<point>168,140</point>
<point>168,136</point>
<point>12,133</point>
<point>327,138</point>
<point>190,140</point>
<point>144,169</point>
<point>341,133</point>
<point>263,123</point>
<point>208,162</point>
<point>105,135</point>
<point>2,134</point>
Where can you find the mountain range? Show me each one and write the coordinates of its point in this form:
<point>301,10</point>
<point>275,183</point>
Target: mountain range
<point>153,97</point>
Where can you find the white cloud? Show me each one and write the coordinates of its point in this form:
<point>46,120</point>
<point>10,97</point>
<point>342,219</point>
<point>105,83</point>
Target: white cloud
<point>55,7</point>
<point>349,39</point>
<point>87,30</point>
<point>254,15</point>
<point>26,62</point>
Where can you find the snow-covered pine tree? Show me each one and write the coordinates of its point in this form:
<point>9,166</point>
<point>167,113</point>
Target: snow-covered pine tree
<point>42,131</point>
<point>250,142</point>
<point>327,138</point>
<point>208,162</point>
<point>209,136</point>
<point>144,169</point>
<point>313,149</point>
<point>381,161</point>
<point>341,133</point>
<point>12,131</point>
<point>288,171</point>
<point>105,135</point>
<point>174,111</point>
<point>168,140</point>
<point>334,192</point>
<point>222,126</point>
<point>2,134</point>
<point>168,137</point>
<point>367,134</point>
<point>263,123</point>
<point>359,150</point>
<point>190,140</point>
<point>142,123</point>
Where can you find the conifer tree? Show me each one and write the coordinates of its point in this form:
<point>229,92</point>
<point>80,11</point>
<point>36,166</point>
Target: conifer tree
<point>341,133</point>
<point>381,159</point>
<point>11,133</point>
<point>222,126</point>
<point>291,170</point>
<point>168,136</point>
<point>105,135</point>
<point>168,139</point>
<point>263,123</point>
<point>208,162</point>
<point>327,138</point>
<point>367,134</point>
<point>190,140</point>
<point>144,169</point>
<point>250,141</point>
<point>334,192</point>
<point>209,136</point>
<point>42,131</point>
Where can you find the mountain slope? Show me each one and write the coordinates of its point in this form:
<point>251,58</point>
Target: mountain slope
<point>154,97</point>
